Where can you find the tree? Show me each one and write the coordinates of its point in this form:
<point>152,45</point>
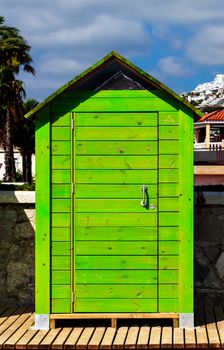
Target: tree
<point>14,55</point>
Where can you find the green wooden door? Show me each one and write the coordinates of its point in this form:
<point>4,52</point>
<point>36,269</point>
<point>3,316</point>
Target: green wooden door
<point>115,237</point>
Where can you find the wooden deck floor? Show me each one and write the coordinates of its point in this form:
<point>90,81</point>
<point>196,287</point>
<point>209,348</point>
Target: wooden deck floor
<point>15,333</point>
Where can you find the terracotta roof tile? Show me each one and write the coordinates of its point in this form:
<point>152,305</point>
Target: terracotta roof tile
<point>213,116</point>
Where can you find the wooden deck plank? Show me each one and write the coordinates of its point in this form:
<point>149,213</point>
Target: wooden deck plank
<point>219,316</point>
<point>143,338</point>
<point>120,338</point>
<point>10,343</point>
<point>190,339</point>
<point>23,342</point>
<point>96,338</point>
<point>132,337</point>
<point>61,338</point>
<point>37,339</point>
<point>108,338</point>
<point>8,312</point>
<point>178,338</point>
<point>85,337</point>
<point>48,340</point>
<point>155,338</point>
<point>73,338</point>
<point>213,337</point>
<point>8,321</point>
<point>167,338</point>
<point>12,328</point>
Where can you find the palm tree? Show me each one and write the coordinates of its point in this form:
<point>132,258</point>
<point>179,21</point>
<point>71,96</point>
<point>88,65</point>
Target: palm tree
<point>14,55</point>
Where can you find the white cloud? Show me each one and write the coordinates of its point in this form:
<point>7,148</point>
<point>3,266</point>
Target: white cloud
<point>61,66</point>
<point>173,66</point>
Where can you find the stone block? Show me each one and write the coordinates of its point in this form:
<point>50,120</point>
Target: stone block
<point>23,230</point>
<point>17,276</point>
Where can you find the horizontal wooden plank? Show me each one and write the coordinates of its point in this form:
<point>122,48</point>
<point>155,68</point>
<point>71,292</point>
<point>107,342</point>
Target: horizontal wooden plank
<point>119,233</point>
<point>168,132</point>
<point>60,305</point>
<point>169,204</point>
<point>119,176</point>
<point>60,276</point>
<point>169,247</point>
<point>59,205</point>
<point>116,262</point>
<point>114,162</point>
<point>118,305</point>
<point>117,148</point>
<point>168,233</point>
<point>60,190</point>
<point>115,133</point>
<point>60,176</point>
<point>60,291</point>
<point>116,93</point>
<point>168,219</point>
<point>168,147</point>
<point>168,276</point>
<point>168,305</point>
<point>168,161</point>
<point>168,118</point>
<point>168,190</point>
<point>60,219</point>
<point>118,276</point>
<point>60,263</point>
<point>59,234</point>
<point>115,248</point>
<point>118,119</point>
<point>61,133</point>
<point>61,148</point>
<point>168,291</point>
<point>116,291</point>
<point>116,191</point>
<point>60,162</point>
<point>60,119</point>
<point>110,206</point>
<point>167,262</point>
<point>60,248</point>
<point>168,175</point>
<point>115,219</point>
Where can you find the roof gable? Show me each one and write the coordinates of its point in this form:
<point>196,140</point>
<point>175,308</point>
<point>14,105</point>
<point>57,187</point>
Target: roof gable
<point>95,78</point>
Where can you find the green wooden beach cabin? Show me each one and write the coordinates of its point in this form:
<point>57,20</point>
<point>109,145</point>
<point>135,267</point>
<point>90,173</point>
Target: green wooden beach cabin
<point>114,197</point>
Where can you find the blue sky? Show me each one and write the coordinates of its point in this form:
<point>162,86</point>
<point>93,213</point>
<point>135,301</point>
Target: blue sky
<point>180,42</point>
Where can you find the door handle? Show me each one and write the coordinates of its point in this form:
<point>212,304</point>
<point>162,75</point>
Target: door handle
<point>144,196</point>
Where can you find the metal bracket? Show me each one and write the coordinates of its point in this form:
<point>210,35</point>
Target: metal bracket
<point>42,322</point>
<point>186,320</point>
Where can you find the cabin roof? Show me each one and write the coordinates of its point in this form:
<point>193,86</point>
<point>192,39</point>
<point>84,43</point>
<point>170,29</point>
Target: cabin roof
<point>107,66</point>
<point>215,116</point>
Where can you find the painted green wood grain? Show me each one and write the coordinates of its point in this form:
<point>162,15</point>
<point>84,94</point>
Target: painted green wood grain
<point>60,263</point>
<point>117,93</point>
<point>168,190</point>
<point>60,191</point>
<point>168,291</point>
<point>60,205</point>
<point>168,262</point>
<point>119,291</point>
<point>116,262</point>
<point>61,276</point>
<point>120,176</point>
<point>61,119</point>
<point>169,132</point>
<point>169,204</point>
<point>117,191</point>
<point>61,148</point>
<point>114,219</point>
<point>108,133</point>
<point>118,119</point>
<point>169,161</point>
<point>119,233</point>
<point>168,276</point>
<point>42,237</point>
<point>168,219</point>
<point>169,147</point>
<point>60,306</point>
<point>60,248</point>
<point>118,305</point>
<point>60,133</point>
<point>116,148</point>
<point>114,162</point>
<point>168,175</point>
<point>59,234</point>
<point>169,247</point>
<point>113,206</point>
<point>116,248</point>
<point>60,291</point>
<point>60,219</point>
<point>168,233</point>
<point>168,118</point>
<point>60,176</point>
<point>60,162</point>
<point>168,305</point>
<point>186,212</point>
<point>117,276</point>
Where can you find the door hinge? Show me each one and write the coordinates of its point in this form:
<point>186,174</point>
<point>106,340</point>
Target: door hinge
<point>72,124</point>
<point>73,188</point>
<point>73,297</point>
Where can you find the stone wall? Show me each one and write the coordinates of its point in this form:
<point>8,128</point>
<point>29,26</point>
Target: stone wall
<point>17,220</point>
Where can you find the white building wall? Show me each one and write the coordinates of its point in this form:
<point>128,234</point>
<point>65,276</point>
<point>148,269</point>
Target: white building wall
<point>18,163</point>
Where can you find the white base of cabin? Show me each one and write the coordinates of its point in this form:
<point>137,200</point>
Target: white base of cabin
<point>186,320</point>
<point>42,322</point>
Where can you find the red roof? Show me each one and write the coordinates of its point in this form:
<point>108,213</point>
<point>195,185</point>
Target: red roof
<point>214,116</point>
